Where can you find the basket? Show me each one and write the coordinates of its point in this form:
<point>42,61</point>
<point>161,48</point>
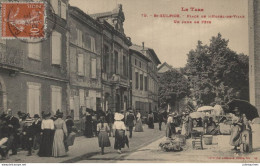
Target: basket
<point>208,139</point>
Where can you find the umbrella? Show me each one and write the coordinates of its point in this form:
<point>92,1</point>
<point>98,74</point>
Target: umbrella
<point>196,115</point>
<point>244,107</point>
<point>205,108</point>
<point>218,110</point>
<point>256,121</point>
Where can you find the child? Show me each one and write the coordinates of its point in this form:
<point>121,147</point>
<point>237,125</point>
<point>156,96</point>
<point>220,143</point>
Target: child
<point>102,130</point>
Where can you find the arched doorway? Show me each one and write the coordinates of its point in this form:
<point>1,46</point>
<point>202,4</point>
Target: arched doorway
<point>125,103</point>
<point>117,103</point>
<point>107,102</point>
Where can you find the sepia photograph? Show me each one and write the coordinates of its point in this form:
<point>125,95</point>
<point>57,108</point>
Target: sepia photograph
<point>129,81</point>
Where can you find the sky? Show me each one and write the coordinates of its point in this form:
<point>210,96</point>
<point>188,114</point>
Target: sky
<point>172,42</point>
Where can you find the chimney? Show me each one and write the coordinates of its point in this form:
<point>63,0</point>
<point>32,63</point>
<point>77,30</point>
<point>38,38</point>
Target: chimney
<point>143,45</point>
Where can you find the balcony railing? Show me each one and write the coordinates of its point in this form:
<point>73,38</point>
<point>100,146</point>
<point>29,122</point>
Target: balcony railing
<point>10,57</point>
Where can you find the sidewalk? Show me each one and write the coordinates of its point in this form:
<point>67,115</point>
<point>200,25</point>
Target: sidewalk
<point>219,152</point>
<point>86,148</point>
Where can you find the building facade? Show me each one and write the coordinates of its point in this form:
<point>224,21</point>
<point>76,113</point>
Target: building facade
<point>33,75</point>
<point>254,52</point>
<point>115,60</point>
<point>144,64</point>
<point>84,62</point>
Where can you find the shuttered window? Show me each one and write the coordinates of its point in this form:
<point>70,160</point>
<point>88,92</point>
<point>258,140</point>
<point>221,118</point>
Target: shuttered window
<point>93,44</point>
<point>80,65</point>
<point>136,80</point>
<point>55,98</point>
<point>56,48</point>
<point>93,68</point>
<point>79,37</point>
<point>33,98</point>
<point>141,82</point>
<point>55,6</point>
<point>63,10</point>
<point>116,62</point>
<point>34,50</point>
<point>145,83</point>
<point>82,97</point>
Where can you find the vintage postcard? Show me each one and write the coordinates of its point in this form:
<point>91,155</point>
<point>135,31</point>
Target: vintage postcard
<point>120,81</point>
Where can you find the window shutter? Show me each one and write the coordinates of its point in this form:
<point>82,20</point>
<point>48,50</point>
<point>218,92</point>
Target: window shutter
<point>93,68</point>
<point>63,10</point>
<point>93,44</point>
<point>55,6</point>
<point>55,98</point>
<point>33,98</point>
<point>34,50</point>
<point>81,97</point>
<point>56,48</point>
<point>80,65</point>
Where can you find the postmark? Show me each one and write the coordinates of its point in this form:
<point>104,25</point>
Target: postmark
<point>23,20</point>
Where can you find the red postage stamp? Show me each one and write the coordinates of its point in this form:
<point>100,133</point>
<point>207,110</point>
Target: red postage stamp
<point>22,20</point>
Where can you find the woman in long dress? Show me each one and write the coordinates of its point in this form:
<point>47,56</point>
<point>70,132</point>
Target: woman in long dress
<point>168,126</point>
<point>47,127</point>
<point>120,130</point>
<point>151,120</point>
<point>185,125</point>
<point>88,125</point>
<point>237,121</point>
<point>139,125</point>
<point>102,130</point>
<point>58,149</point>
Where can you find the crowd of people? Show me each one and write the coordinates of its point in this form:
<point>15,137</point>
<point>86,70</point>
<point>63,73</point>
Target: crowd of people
<point>48,135</point>
<point>108,124</point>
<point>52,136</point>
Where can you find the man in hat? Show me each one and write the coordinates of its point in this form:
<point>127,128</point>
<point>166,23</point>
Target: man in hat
<point>37,131</point>
<point>14,125</point>
<point>110,121</point>
<point>130,122</point>
<point>28,132</point>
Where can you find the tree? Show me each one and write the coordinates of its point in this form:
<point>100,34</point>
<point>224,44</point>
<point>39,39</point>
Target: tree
<point>173,87</point>
<point>217,73</point>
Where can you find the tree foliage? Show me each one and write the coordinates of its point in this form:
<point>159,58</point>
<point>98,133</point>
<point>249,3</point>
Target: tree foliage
<point>216,73</point>
<point>173,87</point>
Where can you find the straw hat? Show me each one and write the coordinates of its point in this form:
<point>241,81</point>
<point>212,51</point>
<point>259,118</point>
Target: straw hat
<point>119,116</point>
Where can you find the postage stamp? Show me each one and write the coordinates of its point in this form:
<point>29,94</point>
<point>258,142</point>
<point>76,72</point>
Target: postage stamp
<point>23,20</point>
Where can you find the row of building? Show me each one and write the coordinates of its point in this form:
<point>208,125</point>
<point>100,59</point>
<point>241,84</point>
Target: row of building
<point>87,62</point>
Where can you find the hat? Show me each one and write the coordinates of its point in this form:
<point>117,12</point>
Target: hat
<point>119,116</point>
<point>46,114</point>
<point>68,117</point>
<point>131,111</point>
<point>59,113</point>
<point>36,116</point>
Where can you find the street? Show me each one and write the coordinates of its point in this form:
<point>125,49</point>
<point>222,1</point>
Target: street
<point>217,152</point>
<point>144,147</point>
<point>87,150</point>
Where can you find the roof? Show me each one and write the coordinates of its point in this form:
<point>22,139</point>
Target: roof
<point>115,12</point>
<point>140,49</point>
<point>166,65</point>
<point>76,9</point>
<point>136,50</point>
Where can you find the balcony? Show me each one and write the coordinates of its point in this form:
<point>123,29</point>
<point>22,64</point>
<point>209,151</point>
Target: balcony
<point>11,58</point>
